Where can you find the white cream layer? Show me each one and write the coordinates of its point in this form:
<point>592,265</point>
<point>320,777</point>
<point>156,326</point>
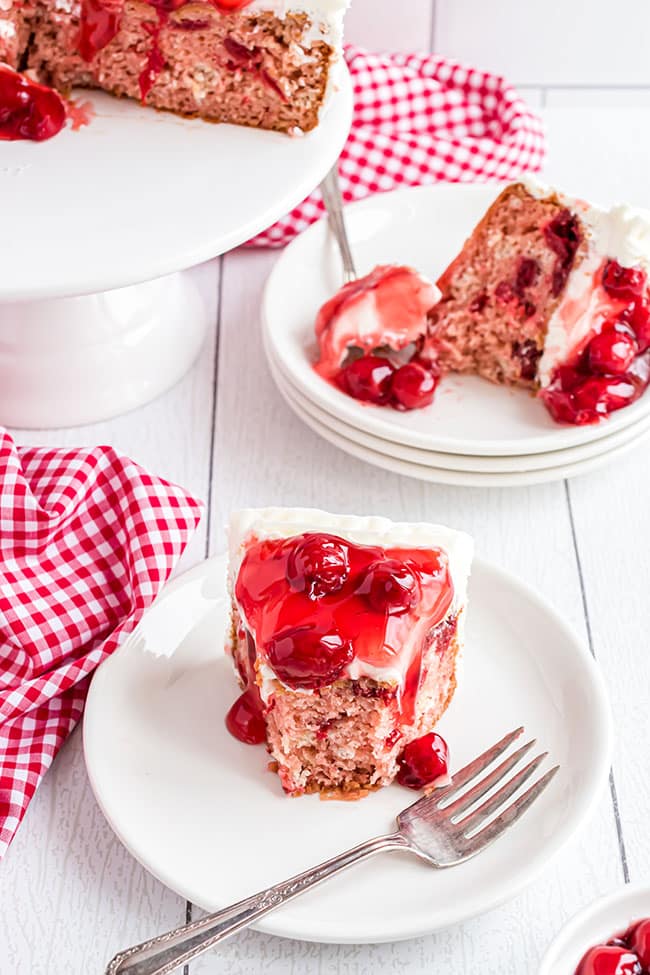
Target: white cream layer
<point>621,232</point>
<point>326,16</point>
<point>262,523</point>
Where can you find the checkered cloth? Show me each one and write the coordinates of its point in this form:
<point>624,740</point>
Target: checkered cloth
<point>419,119</point>
<point>87,539</point>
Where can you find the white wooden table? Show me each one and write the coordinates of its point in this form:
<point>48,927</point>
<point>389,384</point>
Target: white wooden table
<point>71,896</point>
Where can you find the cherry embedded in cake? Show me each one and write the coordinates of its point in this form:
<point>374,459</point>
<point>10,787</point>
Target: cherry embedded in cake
<point>625,954</point>
<point>548,293</point>
<point>269,64</point>
<point>345,635</point>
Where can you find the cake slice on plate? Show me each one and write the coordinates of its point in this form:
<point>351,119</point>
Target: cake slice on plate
<point>263,63</point>
<point>345,636</point>
<point>548,292</point>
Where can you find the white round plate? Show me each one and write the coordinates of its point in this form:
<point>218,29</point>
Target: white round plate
<point>594,925</point>
<point>386,459</point>
<point>137,194</point>
<point>517,463</point>
<point>200,810</point>
<point>424,227</point>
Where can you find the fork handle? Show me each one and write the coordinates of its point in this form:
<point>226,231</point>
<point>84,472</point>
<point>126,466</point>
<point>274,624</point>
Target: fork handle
<point>162,955</point>
<point>331,192</point>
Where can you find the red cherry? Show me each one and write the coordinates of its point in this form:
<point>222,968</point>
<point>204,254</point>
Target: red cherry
<point>563,235</point>
<point>423,761</point>
<point>593,399</point>
<point>609,960</point>
<point>230,4</point>
<point>413,386</point>
<point>527,274</point>
<point>303,657</point>
<point>639,942</point>
<point>368,379</point>
<point>623,282</point>
<point>612,351</point>
<point>28,110</point>
<point>390,586</point>
<point>318,565</point>
<point>245,719</point>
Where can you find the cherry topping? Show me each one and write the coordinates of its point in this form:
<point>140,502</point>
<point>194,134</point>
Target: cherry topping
<point>368,379</point>
<point>303,657</point>
<point>613,351</point>
<point>609,960</point>
<point>413,386</point>
<point>28,110</point>
<point>623,282</point>
<point>639,942</point>
<point>423,761</point>
<point>227,5</point>
<point>245,719</point>
<point>637,316</point>
<point>318,565</point>
<point>390,586</point>
<point>591,399</point>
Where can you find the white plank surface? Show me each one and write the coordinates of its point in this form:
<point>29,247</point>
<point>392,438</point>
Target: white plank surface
<point>70,895</point>
<point>557,42</point>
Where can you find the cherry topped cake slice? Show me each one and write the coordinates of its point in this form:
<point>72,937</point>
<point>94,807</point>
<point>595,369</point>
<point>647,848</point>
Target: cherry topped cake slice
<point>345,636</point>
<point>548,292</point>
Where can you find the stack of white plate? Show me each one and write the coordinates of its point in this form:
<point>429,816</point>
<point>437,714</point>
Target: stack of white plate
<point>474,433</point>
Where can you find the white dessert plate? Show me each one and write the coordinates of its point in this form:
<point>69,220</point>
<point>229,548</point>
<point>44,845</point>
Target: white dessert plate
<point>424,227</point>
<point>138,194</point>
<point>200,810</point>
<point>595,924</point>
<point>517,463</point>
<point>386,459</point>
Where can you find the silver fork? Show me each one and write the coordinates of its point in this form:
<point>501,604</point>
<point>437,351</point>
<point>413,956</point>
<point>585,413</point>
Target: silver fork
<point>433,828</point>
<point>331,190</point>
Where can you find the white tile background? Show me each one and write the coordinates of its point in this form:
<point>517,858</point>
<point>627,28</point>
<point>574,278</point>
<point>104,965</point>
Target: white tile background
<point>559,52</point>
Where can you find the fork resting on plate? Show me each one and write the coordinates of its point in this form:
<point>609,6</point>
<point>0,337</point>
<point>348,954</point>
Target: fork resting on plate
<point>433,828</point>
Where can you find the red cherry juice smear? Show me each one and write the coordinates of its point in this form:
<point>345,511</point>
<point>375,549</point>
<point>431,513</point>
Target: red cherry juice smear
<point>245,720</point>
<point>624,954</point>
<point>28,110</point>
<point>611,369</point>
<point>274,608</point>
<point>423,761</point>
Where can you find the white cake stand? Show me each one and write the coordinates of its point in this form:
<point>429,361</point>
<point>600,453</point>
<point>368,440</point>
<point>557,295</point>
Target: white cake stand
<point>98,313</point>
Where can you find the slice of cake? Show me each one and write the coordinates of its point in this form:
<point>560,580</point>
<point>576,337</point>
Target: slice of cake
<point>345,636</point>
<point>549,293</point>
<point>263,63</point>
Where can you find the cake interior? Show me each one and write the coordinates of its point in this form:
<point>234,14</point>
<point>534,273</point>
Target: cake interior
<point>500,292</point>
<point>194,59</point>
<point>345,653</point>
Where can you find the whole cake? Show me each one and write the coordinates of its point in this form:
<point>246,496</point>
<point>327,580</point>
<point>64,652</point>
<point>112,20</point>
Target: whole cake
<point>345,636</point>
<point>264,63</point>
<point>548,292</point>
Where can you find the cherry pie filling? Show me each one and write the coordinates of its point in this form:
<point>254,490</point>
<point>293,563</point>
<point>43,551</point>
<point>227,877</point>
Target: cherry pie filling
<point>625,954</point>
<point>317,603</point>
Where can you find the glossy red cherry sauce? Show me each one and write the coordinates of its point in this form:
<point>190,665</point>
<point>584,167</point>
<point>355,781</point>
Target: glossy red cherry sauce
<point>423,761</point>
<point>28,110</point>
<point>611,368</point>
<point>625,954</point>
<point>320,605</point>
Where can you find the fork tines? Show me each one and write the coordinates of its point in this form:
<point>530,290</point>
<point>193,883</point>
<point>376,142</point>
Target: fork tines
<point>475,830</point>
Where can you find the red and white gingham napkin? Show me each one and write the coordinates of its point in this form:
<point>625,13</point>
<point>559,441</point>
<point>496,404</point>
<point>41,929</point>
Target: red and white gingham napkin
<point>419,119</point>
<point>87,539</point>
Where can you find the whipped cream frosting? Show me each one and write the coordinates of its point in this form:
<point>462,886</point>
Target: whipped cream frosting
<point>274,523</point>
<point>621,233</point>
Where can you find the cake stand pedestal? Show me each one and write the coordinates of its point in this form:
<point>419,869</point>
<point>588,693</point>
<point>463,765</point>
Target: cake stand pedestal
<point>98,312</point>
